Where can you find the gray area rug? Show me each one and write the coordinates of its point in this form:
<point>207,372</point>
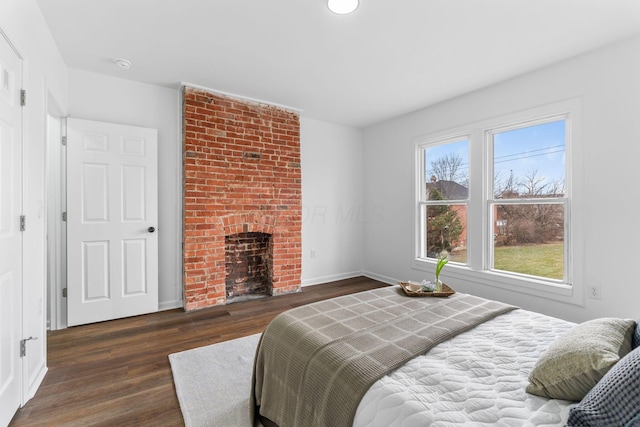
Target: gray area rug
<point>213,383</point>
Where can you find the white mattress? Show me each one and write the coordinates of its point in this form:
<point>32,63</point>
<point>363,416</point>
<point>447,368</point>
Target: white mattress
<point>478,378</point>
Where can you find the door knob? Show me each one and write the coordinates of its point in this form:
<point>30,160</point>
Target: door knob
<point>151,229</point>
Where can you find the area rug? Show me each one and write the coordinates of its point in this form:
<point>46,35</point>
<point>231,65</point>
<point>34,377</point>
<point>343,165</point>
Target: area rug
<point>213,383</point>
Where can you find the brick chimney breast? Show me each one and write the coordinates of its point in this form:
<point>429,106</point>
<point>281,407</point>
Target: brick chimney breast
<point>242,176</point>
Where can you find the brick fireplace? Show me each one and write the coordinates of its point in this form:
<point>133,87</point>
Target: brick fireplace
<point>242,199</point>
<point>248,265</point>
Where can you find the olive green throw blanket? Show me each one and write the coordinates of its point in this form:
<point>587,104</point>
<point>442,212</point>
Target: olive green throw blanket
<point>314,363</point>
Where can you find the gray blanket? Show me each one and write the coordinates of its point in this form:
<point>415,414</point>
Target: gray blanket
<point>314,363</point>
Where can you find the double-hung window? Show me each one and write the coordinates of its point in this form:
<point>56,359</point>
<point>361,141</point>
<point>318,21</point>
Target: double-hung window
<point>443,199</point>
<point>495,197</point>
<point>527,202</point>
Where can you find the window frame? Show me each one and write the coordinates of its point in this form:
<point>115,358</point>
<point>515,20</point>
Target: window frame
<point>423,197</point>
<point>479,225</point>
<point>491,201</point>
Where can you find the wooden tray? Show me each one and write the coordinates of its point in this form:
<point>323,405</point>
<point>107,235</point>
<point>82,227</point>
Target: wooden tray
<point>413,290</point>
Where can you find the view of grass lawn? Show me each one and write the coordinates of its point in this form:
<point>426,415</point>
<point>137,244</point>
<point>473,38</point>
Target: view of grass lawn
<point>544,260</point>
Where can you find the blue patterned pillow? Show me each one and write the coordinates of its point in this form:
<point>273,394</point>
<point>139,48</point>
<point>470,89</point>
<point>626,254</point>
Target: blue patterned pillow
<point>614,400</point>
<point>636,336</point>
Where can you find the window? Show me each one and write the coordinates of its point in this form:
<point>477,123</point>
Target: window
<point>444,195</point>
<point>496,196</point>
<point>528,204</point>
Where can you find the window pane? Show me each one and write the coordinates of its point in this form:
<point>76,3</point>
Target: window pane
<point>529,239</point>
<point>530,162</point>
<point>447,171</point>
<point>446,230</point>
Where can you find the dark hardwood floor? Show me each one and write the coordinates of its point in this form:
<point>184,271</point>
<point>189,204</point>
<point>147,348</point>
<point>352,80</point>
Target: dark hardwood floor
<point>117,373</point>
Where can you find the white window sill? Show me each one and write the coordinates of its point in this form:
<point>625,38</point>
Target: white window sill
<point>519,284</point>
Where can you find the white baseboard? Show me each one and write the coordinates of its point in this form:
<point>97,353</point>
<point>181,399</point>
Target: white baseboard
<point>331,278</point>
<point>34,383</point>
<point>170,305</point>
<point>380,278</point>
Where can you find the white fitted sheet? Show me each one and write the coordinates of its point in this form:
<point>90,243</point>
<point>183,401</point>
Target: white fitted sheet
<point>477,378</point>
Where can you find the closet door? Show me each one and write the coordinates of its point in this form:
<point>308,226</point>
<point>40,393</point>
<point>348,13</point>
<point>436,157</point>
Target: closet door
<point>10,231</point>
<point>112,202</point>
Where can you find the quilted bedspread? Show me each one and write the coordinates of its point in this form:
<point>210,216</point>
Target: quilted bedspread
<point>477,378</point>
<point>314,363</point>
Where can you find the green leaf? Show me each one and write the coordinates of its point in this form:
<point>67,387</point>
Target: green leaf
<point>442,261</point>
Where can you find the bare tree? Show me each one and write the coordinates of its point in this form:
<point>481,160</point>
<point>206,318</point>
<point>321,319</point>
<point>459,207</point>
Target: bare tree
<point>448,168</point>
<point>556,188</point>
<point>532,184</point>
<point>505,188</point>
<point>529,223</point>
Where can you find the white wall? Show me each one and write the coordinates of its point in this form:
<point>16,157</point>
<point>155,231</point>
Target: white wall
<point>332,215</point>
<point>608,83</point>
<point>108,99</point>
<point>45,79</point>
<point>331,158</point>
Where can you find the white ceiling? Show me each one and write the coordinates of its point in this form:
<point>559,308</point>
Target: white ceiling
<point>388,58</point>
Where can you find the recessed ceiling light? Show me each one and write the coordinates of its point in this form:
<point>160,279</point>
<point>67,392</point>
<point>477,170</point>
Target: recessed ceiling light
<point>123,63</point>
<point>342,7</point>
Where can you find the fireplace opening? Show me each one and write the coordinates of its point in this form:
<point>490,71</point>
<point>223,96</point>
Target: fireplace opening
<point>247,262</point>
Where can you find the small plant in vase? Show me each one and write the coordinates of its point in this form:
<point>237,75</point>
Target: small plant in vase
<point>436,286</point>
<point>443,259</point>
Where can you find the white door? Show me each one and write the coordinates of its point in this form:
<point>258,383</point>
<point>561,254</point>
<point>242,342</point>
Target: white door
<point>112,242</point>
<point>10,235</point>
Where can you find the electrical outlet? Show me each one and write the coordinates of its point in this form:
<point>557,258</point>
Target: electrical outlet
<point>313,253</point>
<point>594,292</point>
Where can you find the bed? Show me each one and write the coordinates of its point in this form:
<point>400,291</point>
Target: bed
<point>380,358</point>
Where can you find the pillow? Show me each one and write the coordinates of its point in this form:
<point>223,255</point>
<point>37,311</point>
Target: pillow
<point>615,400</point>
<point>636,336</point>
<point>579,358</point>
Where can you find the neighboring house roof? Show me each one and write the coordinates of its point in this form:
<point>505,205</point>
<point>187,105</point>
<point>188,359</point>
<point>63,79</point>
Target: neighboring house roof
<point>450,190</point>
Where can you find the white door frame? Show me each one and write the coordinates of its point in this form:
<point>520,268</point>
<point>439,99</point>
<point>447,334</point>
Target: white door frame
<point>55,226</point>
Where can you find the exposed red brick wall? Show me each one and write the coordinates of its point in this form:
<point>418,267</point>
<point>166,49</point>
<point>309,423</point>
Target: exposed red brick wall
<point>241,175</point>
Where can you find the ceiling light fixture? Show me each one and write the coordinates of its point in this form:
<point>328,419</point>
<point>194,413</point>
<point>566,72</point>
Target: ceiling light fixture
<point>342,7</point>
<point>123,63</point>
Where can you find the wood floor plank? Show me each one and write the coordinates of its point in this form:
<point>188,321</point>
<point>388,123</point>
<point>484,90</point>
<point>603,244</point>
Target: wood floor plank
<point>117,373</point>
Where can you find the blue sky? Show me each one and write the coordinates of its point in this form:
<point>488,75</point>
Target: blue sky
<point>540,147</point>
